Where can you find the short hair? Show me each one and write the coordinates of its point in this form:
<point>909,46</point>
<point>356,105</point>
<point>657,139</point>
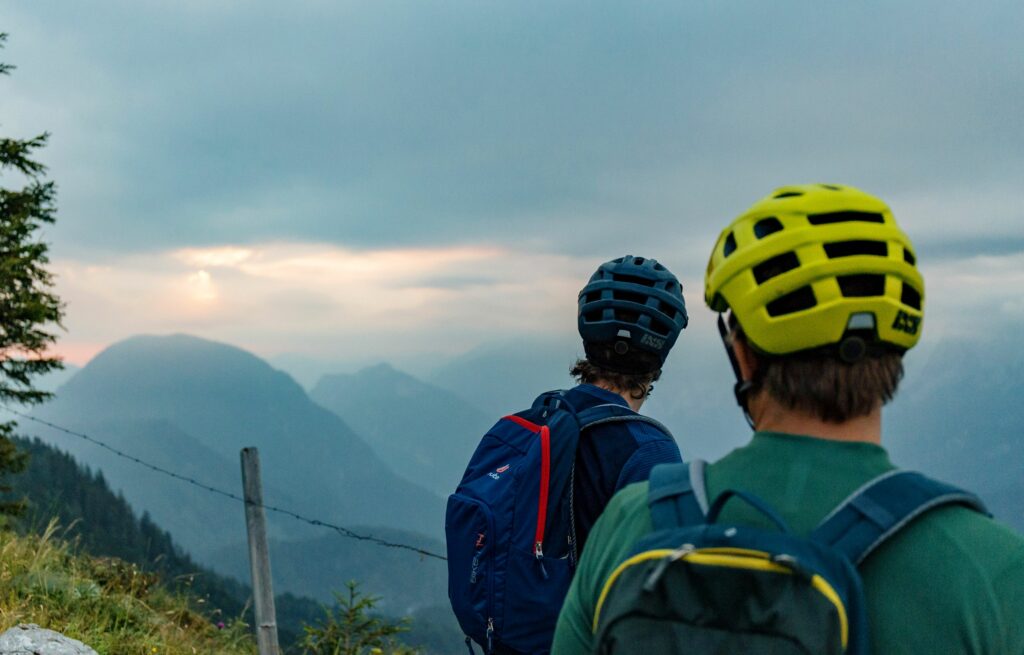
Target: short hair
<point>639,385</point>
<point>821,384</point>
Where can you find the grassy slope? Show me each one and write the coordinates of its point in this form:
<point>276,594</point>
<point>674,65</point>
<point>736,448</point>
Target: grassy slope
<point>100,523</point>
<point>106,603</point>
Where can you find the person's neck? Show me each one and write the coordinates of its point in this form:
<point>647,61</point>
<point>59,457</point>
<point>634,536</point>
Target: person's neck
<point>770,416</point>
<point>634,403</point>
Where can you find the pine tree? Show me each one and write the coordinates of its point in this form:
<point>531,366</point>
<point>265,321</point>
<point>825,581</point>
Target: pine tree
<point>351,628</point>
<point>29,309</point>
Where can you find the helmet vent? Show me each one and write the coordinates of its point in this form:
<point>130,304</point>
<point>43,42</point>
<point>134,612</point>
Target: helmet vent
<point>625,316</point>
<point>592,317</point>
<point>788,194</point>
<point>799,300</point>
<point>852,248</point>
<point>632,279</point>
<point>658,267</point>
<point>831,187</point>
<point>910,297</point>
<point>909,257</point>
<point>629,296</point>
<point>861,286</point>
<point>844,217</point>
<point>667,310</point>
<point>729,247</point>
<point>638,261</point>
<point>775,266</point>
<point>767,226</point>
<point>661,328</point>
<point>593,296</point>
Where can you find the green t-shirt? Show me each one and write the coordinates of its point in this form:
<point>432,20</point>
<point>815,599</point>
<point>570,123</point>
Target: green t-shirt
<point>951,582</point>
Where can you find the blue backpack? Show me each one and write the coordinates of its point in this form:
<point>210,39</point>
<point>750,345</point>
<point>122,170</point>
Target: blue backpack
<point>510,525</point>
<point>697,585</point>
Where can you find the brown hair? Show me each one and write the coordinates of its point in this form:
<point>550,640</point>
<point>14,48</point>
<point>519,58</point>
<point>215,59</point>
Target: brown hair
<point>638,385</point>
<point>823,385</point>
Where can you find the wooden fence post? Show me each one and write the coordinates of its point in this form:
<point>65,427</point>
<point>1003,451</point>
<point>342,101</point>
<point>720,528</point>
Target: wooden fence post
<point>259,554</point>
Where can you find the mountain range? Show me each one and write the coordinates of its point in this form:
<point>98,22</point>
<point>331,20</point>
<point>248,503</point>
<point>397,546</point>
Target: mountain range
<point>380,448</point>
<point>190,405</point>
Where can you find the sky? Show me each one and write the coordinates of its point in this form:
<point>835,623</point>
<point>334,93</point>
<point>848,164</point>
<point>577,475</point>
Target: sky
<point>406,181</point>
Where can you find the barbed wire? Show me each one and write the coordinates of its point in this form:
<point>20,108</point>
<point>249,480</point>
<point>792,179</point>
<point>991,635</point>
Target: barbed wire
<point>343,531</point>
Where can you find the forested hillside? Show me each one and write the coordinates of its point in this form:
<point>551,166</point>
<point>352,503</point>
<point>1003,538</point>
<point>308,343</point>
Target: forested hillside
<point>102,524</point>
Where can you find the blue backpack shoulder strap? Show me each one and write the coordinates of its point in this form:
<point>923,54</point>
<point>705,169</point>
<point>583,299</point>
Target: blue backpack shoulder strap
<point>882,507</point>
<point>612,413</point>
<point>677,495</point>
<point>553,400</point>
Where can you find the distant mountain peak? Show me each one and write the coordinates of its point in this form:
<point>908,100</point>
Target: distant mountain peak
<point>413,425</point>
<point>383,368</point>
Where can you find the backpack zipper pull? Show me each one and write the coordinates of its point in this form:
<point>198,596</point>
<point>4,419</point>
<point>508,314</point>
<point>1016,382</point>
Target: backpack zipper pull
<point>538,553</point>
<point>655,576</point>
<point>490,636</point>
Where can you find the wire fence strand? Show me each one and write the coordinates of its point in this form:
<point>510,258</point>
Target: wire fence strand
<point>343,531</point>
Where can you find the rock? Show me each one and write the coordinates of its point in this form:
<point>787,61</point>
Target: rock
<point>30,639</point>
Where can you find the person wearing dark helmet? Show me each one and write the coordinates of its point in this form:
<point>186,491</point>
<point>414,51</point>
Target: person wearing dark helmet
<point>540,478</point>
<point>819,297</point>
<point>630,315</point>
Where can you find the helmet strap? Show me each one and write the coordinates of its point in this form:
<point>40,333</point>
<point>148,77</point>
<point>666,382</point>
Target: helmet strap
<point>742,387</point>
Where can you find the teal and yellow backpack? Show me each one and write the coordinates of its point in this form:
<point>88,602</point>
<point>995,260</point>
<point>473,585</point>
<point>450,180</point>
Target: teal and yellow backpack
<point>698,586</point>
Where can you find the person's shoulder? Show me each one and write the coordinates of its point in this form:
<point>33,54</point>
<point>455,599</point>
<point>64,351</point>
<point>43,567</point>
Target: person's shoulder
<point>974,551</point>
<point>973,535</point>
<point>645,430</point>
<point>994,545</point>
<point>630,501</point>
<point>964,567</point>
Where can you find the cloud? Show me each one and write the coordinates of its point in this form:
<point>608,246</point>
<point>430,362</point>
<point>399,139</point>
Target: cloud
<point>407,177</point>
<point>562,126</point>
<point>343,304</point>
<point>977,297</point>
<point>317,299</point>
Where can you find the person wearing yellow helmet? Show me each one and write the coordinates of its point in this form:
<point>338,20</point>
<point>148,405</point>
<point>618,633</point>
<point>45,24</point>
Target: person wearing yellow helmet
<point>819,297</point>
<point>824,291</point>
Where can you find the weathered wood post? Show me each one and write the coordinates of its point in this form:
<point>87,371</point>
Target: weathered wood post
<point>259,554</point>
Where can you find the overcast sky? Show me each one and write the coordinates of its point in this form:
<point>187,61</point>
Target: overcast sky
<point>404,180</point>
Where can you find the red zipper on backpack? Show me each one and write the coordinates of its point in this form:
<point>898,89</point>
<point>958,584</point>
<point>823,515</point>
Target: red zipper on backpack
<point>545,482</point>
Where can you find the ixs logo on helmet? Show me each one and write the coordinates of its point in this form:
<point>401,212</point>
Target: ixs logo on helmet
<point>654,342</point>
<point>496,474</point>
<point>906,323</point>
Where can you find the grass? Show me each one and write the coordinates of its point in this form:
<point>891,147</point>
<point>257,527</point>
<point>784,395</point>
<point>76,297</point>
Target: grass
<point>108,604</point>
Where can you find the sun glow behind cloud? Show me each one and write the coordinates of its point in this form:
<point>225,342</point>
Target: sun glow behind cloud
<point>322,299</point>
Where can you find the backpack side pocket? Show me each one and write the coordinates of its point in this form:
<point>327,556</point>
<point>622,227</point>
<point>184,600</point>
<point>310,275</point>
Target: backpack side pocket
<point>469,526</point>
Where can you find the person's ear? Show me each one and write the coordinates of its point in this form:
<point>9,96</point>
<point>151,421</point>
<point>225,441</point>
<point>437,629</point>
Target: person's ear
<point>745,358</point>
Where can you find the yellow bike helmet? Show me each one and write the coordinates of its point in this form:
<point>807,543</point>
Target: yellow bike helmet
<point>818,266</point>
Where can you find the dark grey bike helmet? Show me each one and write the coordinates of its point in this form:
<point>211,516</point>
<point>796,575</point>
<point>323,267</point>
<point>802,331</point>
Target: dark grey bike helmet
<point>630,314</point>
